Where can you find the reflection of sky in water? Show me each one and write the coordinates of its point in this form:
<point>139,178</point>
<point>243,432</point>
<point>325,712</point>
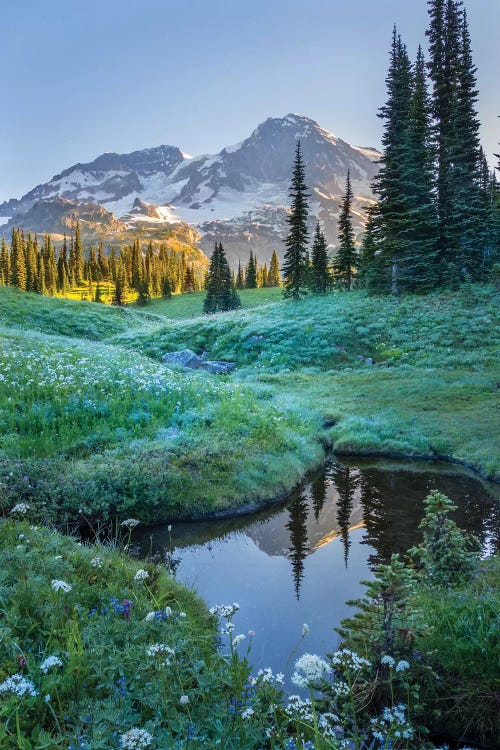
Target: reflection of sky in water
<point>235,569</point>
<point>300,562</point>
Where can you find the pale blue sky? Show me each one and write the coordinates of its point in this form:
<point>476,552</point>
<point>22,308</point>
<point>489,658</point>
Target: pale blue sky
<point>80,77</point>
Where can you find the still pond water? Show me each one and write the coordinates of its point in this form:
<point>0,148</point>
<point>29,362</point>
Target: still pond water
<point>300,562</point>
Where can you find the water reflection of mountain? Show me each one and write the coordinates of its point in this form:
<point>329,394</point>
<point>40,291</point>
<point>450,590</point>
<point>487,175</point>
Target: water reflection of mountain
<point>388,503</point>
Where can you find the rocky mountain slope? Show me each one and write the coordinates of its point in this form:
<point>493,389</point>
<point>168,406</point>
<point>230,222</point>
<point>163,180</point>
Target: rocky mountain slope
<point>238,196</point>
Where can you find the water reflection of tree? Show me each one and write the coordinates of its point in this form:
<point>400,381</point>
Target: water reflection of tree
<point>297,526</point>
<point>393,506</point>
<point>346,482</point>
<point>318,493</point>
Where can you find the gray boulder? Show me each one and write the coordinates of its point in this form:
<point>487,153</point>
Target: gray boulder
<point>218,368</point>
<point>188,358</point>
<point>184,358</point>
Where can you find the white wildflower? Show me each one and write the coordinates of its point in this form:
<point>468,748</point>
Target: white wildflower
<point>96,562</point>
<point>346,659</point>
<point>130,523</point>
<point>387,660</point>
<point>136,739</point>
<point>46,698</point>
<point>49,663</point>
<point>225,610</point>
<point>402,665</point>
<point>58,585</point>
<point>150,616</point>
<point>141,575</point>
<point>308,669</point>
<point>184,700</point>
<point>341,688</point>
<point>18,685</point>
<point>20,508</point>
<point>247,713</point>
<point>160,649</point>
<point>238,639</point>
<point>305,630</point>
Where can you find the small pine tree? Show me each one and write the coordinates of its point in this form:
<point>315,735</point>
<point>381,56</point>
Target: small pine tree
<point>319,276</point>
<point>121,286</point>
<point>346,259</point>
<point>166,289</point>
<point>221,294</point>
<point>18,275</point>
<point>240,277</point>
<point>143,294</point>
<point>251,273</point>
<point>295,263</point>
<point>273,277</point>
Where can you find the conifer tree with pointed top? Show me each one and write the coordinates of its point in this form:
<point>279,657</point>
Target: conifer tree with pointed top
<point>273,277</point>
<point>251,273</point>
<point>4,264</point>
<point>389,184</point>
<point>296,255</point>
<point>319,275</point>
<point>419,235</point>
<point>17,261</point>
<point>346,258</point>
<point>221,294</point>
<point>240,277</point>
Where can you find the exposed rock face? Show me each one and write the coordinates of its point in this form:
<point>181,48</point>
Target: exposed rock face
<point>238,196</point>
<point>188,358</point>
<point>59,215</point>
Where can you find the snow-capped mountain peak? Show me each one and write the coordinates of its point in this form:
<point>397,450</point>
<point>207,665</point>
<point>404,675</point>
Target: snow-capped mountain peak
<point>238,195</point>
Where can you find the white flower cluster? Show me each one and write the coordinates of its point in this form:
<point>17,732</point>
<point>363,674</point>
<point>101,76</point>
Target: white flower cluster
<point>299,708</point>
<point>225,610</point>
<point>266,675</point>
<point>96,562</point>
<point>238,639</point>
<point>346,659</point>
<point>392,722</point>
<point>340,688</point>
<point>58,585</point>
<point>18,685</point>
<point>184,700</point>
<point>136,739</point>
<point>160,649</point>
<point>309,669</point>
<point>130,523</point>
<point>141,575</point>
<point>50,662</point>
<point>401,666</point>
<point>20,508</point>
<point>247,713</point>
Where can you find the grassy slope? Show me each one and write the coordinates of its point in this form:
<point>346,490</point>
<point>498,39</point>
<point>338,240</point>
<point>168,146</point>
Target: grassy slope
<point>431,390</point>
<point>89,425</point>
<point>183,306</point>
<point>106,682</point>
<point>199,444</point>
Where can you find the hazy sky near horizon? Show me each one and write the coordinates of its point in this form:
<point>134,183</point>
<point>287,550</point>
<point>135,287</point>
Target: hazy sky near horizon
<point>80,78</point>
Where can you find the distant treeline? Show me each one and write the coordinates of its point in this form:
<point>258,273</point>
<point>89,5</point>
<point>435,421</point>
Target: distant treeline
<point>36,265</point>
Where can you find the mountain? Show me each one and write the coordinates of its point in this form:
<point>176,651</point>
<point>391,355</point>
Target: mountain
<point>238,196</point>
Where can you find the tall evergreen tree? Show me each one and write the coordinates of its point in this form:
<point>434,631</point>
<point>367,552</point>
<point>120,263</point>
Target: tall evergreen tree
<point>121,285</point>
<point>240,277</point>
<point>319,276</point>
<point>419,234</point>
<point>389,184</point>
<point>221,294</point>
<point>346,259</point>
<point>273,277</point>
<point>4,264</point>
<point>76,261</point>
<point>17,261</point>
<point>251,273</point>
<point>295,262</point>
